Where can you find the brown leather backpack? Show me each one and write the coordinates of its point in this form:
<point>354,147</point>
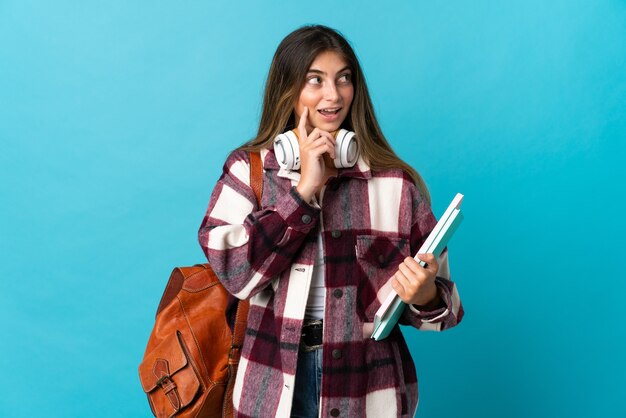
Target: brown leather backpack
<point>191,360</point>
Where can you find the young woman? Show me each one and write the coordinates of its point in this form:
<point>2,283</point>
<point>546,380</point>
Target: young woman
<point>325,247</point>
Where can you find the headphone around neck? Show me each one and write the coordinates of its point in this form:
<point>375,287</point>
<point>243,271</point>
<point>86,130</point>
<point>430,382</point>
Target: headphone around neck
<point>288,152</point>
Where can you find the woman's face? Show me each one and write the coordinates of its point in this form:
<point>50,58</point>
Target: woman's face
<point>327,92</point>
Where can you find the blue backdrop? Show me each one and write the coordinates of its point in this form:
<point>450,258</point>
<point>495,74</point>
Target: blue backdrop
<point>115,119</point>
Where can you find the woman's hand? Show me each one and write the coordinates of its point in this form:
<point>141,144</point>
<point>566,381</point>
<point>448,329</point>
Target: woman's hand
<point>312,149</point>
<point>416,284</point>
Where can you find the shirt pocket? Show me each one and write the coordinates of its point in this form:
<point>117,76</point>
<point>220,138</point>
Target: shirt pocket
<point>377,258</point>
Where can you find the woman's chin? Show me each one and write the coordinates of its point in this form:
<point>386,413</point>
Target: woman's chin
<point>328,126</point>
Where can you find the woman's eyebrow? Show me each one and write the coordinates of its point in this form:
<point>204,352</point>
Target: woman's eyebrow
<point>316,71</point>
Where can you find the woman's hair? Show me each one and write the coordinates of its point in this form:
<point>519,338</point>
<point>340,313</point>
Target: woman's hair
<point>285,81</point>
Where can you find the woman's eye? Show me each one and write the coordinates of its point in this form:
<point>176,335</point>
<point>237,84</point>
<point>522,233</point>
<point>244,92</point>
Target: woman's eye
<point>315,80</point>
<point>344,78</point>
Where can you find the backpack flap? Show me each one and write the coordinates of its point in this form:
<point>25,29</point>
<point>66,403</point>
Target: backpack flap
<point>168,376</point>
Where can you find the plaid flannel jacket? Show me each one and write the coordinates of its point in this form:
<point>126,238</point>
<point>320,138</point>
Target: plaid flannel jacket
<point>369,221</point>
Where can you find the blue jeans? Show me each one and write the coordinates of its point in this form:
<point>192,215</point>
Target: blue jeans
<point>306,396</point>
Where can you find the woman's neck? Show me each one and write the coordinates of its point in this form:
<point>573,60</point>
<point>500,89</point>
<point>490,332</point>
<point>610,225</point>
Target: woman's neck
<point>330,166</point>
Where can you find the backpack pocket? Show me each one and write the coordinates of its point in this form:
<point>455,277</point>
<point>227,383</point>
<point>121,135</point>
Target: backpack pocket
<point>169,377</point>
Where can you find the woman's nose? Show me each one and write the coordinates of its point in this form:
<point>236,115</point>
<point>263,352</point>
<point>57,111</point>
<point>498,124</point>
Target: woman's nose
<point>330,92</point>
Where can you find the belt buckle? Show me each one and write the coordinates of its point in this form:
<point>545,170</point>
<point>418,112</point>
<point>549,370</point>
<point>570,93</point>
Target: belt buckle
<point>311,324</point>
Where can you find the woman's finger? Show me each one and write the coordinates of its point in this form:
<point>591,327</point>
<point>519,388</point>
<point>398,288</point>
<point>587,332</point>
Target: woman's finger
<point>403,286</point>
<point>430,260</point>
<point>413,277</point>
<point>312,136</point>
<point>318,133</point>
<point>329,136</point>
<point>397,286</point>
<point>322,142</point>
<point>413,265</point>
<point>302,124</point>
<point>318,151</point>
<point>330,146</point>
<point>410,281</point>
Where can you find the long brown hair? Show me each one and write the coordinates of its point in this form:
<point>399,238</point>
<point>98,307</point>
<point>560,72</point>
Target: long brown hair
<point>285,80</point>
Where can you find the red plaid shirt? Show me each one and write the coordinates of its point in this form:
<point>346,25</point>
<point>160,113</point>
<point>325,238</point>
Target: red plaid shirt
<point>369,221</point>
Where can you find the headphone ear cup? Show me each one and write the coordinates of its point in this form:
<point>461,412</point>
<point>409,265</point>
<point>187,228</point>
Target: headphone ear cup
<point>287,150</point>
<point>346,149</point>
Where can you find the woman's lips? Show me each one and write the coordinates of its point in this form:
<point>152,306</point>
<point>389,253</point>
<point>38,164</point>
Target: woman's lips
<point>329,116</point>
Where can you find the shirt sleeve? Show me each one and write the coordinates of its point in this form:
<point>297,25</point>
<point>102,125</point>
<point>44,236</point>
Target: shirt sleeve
<point>450,311</point>
<point>247,246</point>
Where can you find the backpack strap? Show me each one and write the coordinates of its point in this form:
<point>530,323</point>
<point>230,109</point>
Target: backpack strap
<point>256,175</point>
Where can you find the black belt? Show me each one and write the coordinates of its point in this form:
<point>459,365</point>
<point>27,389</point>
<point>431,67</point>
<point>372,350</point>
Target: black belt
<point>312,332</point>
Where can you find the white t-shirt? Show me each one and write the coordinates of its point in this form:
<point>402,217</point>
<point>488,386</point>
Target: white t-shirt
<point>317,293</point>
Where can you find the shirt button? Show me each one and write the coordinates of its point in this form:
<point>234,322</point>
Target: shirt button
<point>336,354</point>
<point>336,234</point>
<point>337,293</point>
<point>306,219</point>
<point>334,412</point>
<point>381,260</point>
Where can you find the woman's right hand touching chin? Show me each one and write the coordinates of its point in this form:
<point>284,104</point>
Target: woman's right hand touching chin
<point>312,165</point>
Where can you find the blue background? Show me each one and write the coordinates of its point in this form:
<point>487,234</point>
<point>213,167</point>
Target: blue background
<point>116,117</point>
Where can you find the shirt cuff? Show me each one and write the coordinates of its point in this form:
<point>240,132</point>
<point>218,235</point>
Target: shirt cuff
<point>297,213</point>
<point>439,313</point>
